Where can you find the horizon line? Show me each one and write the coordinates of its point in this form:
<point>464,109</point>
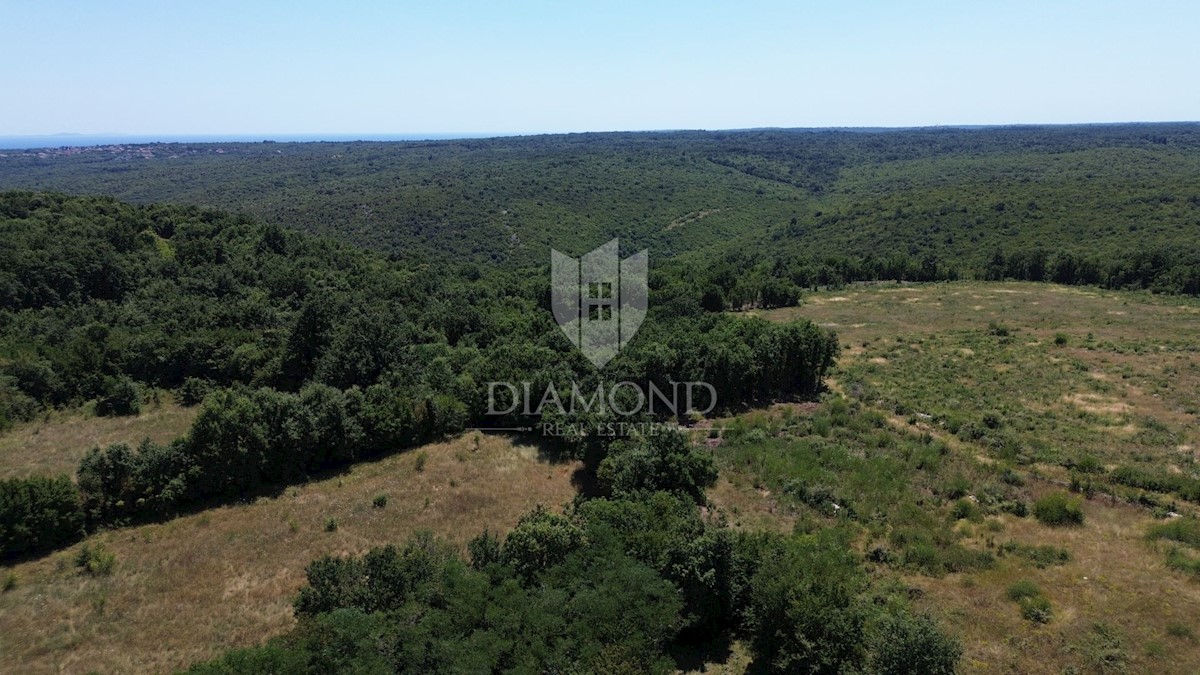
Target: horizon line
<point>401,136</point>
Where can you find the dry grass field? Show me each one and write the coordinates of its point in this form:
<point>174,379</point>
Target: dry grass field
<point>1116,609</point>
<point>55,444</point>
<point>192,587</point>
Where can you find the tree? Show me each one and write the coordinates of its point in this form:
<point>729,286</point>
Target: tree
<point>662,461</point>
<point>38,514</point>
<point>907,644</point>
<point>121,397</point>
<point>539,541</point>
<point>803,613</point>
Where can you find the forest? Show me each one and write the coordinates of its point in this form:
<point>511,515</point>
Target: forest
<point>315,353</point>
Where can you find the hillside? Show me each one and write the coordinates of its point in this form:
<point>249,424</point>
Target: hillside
<point>958,194</point>
<point>191,588</point>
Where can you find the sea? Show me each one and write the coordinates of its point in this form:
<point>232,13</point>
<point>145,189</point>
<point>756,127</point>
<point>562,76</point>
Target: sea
<point>83,140</point>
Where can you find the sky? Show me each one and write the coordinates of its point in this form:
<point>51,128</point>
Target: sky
<point>299,67</point>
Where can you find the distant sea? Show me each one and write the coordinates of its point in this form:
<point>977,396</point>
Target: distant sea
<point>77,140</point>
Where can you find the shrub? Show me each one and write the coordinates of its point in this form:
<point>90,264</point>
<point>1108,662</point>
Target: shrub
<point>1085,464</point>
<point>422,457</point>
<point>963,509</point>
<point>193,390</point>
<point>540,540</point>
<point>1036,609</point>
<point>97,562</point>
<point>1104,650</point>
<point>10,582</point>
<point>1011,477</point>
<point>1023,589</point>
<point>1043,556</point>
<point>904,644</point>
<point>1058,508</point>
<point>1182,530</point>
<point>121,397</point>
<point>38,514</point>
<point>1017,507</point>
<point>484,550</point>
<point>331,524</point>
<point>1181,631</point>
<point>1060,339</point>
<point>380,501</point>
<point>1179,560</point>
<point>1034,606</point>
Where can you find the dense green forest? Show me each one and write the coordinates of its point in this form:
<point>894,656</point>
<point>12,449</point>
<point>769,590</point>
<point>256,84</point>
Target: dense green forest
<point>940,197</point>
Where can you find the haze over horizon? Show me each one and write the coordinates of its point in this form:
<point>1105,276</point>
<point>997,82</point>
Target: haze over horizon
<point>275,69</point>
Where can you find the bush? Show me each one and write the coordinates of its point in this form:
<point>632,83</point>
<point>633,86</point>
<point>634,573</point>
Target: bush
<point>963,509</point>
<point>121,397</point>
<point>484,549</point>
<point>10,582</point>
<point>1036,609</point>
<point>1104,650</point>
<point>1034,606</point>
<point>1182,530</point>
<point>331,524</point>
<point>1058,508</point>
<point>803,616</point>
<point>97,562</point>
<point>193,390</point>
<point>1043,556</point>
<point>1023,589</point>
<point>904,644</point>
<point>38,514</point>
<point>1180,560</point>
<point>422,457</point>
<point>380,501</point>
<point>540,540</point>
<point>1181,631</point>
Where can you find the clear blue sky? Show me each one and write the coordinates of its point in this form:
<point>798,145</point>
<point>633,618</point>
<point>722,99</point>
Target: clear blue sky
<point>391,67</point>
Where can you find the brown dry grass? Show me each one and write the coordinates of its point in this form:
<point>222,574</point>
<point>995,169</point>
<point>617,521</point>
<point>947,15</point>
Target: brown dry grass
<point>746,507</point>
<point>1114,577</point>
<point>190,588</point>
<point>47,447</point>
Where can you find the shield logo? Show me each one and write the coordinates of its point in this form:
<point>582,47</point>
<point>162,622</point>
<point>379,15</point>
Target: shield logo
<point>599,301</point>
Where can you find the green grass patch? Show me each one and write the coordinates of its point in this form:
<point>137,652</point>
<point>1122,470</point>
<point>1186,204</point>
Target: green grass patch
<point>1058,509</point>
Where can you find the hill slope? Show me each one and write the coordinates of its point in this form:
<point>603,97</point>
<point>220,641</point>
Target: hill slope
<point>956,193</point>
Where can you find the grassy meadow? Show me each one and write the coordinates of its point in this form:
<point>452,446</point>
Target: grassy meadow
<point>953,408</point>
